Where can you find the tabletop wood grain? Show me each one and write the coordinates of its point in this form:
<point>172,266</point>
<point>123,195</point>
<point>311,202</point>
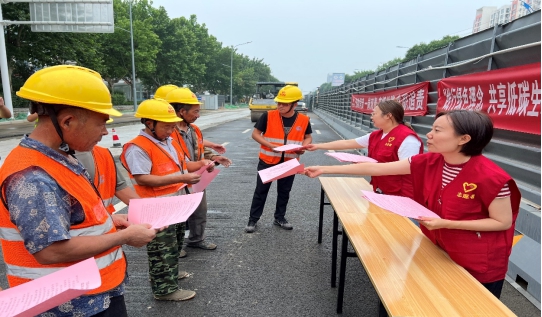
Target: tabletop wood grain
<point>412,276</point>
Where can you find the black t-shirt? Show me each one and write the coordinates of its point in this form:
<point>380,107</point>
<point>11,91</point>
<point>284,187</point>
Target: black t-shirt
<point>287,122</point>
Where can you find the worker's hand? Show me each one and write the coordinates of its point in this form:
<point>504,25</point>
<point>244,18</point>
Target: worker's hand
<point>272,147</point>
<point>222,160</point>
<point>219,148</point>
<point>139,235</point>
<point>299,152</point>
<point>120,221</point>
<point>210,165</point>
<point>2,102</point>
<point>313,171</point>
<point>311,147</point>
<point>190,178</point>
<point>433,223</point>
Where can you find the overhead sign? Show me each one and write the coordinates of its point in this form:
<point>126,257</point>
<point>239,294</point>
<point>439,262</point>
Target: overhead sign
<point>510,96</point>
<point>75,17</point>
<point>413,98</point>
<point>337,79</point>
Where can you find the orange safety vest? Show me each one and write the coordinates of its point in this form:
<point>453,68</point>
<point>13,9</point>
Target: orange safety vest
<point>275,135</point>
<point>105,176</point>
<point>177,136</point>
<point>21,266</point>
<point>162,164</point>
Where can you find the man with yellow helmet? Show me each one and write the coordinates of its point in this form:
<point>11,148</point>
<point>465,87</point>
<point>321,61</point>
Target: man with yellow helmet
<point>189,136</point>
<point>157,168</point>
<point>276,128</point>
<point>51,215</point>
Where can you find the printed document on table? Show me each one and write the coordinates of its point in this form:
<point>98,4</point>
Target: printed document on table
<point>44,293</point>
<point>163,211</point>
<point>289,147</point>
<point>205,180</point>
<point>402,206</point>
<point>281,170</point>
<point>348,157</point>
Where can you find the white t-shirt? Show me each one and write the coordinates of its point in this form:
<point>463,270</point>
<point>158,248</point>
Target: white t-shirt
<point>409,147</point>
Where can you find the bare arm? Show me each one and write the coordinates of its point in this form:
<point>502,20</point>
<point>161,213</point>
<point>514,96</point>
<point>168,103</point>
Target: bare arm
<point>4,111</point>
<point>219,148</point>
<point>156,181</point>
<point>336,145</point>
<point>83,247</point>
<point>500,218</point>
<point>126,194</point>
<point>370,169</point>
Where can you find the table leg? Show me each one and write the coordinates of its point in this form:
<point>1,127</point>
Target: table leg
<point>334,250</point>
<point>344,255</point>
<point>321,216</point>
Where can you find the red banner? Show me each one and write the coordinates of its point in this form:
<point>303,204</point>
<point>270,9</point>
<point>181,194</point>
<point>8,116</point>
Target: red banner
<point>413,98</point>
<point>511,96</point>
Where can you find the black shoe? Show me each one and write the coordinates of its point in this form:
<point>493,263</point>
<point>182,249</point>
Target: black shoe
<point>284,224</point>
<point>251,227</point>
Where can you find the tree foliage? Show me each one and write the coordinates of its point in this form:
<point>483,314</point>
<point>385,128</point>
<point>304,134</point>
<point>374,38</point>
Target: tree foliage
<point>176,51</point>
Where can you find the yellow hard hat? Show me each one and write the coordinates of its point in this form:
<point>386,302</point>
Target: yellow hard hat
<point>289,94</point>
<point>69,85</point>
<point>157,109</point>
<point>182,95</point>
<point>162,91</point>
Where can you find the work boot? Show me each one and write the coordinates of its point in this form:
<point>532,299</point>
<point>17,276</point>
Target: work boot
<point>283,223</point>
<point>251,227</point>
<point>202,245</point>
<point>183,253</point>
<point>178,295</point>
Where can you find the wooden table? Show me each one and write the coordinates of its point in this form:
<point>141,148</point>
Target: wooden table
<point>412,276</point>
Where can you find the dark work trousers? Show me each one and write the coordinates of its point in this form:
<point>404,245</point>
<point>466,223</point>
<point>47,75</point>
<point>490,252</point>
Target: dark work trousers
<point>495,287</point>
<point>284,185</point>
<point>197,222</point>
<point>117,308</point>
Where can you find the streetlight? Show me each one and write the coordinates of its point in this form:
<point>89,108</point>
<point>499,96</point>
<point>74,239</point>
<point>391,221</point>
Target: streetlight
<point>231,70</point>
<point>133,59</point>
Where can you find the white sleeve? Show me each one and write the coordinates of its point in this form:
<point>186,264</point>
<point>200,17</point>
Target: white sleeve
<point>409,147</point>
<point>363,140</point>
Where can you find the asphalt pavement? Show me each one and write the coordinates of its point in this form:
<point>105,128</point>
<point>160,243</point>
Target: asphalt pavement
<point>272,272</point>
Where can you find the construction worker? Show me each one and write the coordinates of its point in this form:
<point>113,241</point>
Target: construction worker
<point>157,169</point>
<point>189,136</point>
<point>51,216</point>
<point>276,128</point>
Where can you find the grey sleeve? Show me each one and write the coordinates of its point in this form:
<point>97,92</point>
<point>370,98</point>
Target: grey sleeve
<point>121,181</point>
<point>138,161</point>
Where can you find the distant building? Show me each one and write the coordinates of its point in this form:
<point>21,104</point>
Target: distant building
<point>488,17</point>
<point>500,16</point>
<point>483,18</point>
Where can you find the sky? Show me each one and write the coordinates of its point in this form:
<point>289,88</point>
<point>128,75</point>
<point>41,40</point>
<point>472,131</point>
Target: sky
<point>304,40</point>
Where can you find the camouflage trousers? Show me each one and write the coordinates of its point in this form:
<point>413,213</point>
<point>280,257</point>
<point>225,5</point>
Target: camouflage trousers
<point>163,252</point>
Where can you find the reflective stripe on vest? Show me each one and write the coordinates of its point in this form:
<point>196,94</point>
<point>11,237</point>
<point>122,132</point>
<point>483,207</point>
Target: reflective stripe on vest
<point>275,135</point>
<point>108,202</point>
<point>34,273</point>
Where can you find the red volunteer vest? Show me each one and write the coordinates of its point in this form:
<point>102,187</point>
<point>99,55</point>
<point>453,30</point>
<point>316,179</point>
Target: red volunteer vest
<point>162,164</point>
<point>275,135</point>
<point>176,135</point>
<point>483,254</point>
<point>386,150</point>
<point>105,176</point>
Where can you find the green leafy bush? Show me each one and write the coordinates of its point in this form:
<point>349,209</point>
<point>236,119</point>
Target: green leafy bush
<point>118,99</point>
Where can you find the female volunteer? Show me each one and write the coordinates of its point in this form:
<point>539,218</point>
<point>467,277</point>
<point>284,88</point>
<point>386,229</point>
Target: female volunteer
<point>392,142</point>
<point>477,200</point>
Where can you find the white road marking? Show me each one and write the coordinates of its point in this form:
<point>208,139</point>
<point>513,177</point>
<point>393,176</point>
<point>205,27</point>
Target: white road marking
<point>246,130</point>
<point>318,132</point>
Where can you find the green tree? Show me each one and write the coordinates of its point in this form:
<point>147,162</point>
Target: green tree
<point>422,48</point>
